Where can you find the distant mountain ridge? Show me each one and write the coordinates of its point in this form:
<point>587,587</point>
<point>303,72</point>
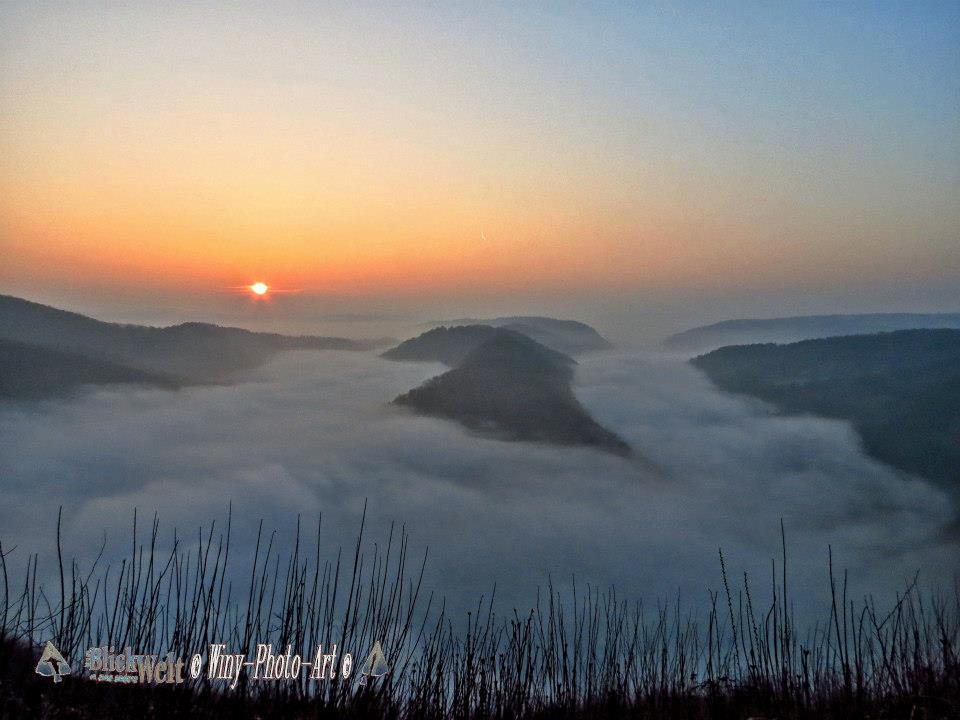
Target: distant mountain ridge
<point>804,327</point>
<point>511,387</point>
<point>448,345</point>
<point>568,336</point>
<point>900,390</point>
<point>177,355</point>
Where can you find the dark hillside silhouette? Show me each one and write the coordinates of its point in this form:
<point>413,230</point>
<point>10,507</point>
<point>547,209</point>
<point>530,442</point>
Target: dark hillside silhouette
<point>568,336</point>
<point>29,372</point>
<point>901,390</point>
<point>514,388</point>
<point>187,353</point>
<point>794,329</point>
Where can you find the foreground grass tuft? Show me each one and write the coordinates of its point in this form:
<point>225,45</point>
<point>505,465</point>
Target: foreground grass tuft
<point>587,655</point>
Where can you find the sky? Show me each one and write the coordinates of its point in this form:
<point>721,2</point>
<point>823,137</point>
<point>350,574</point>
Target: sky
<point>601,159</point>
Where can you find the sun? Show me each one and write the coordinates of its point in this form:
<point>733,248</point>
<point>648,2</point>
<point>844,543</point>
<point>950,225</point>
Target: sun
<point>259,288</point>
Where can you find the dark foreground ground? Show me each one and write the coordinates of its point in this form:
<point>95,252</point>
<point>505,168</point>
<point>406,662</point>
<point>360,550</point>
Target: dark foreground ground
<point>585,653</point>
<point>24,694</point>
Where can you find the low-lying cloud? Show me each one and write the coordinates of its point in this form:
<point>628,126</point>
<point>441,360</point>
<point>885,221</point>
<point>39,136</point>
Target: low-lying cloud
<point>315,435</point>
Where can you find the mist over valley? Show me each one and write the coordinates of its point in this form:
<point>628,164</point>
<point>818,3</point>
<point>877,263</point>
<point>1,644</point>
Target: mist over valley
<point>310,432</point>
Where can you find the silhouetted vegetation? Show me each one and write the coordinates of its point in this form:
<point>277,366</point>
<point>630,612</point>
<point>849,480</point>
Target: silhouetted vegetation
<point>448,345</point>
<point>31,373</point>
<point>566,336</point>
<point>451,345</point>
<point>901,390</point>
<point>72,349</point>
<point>587,654</point>
<point>514,388</point>
<point>807,327</point>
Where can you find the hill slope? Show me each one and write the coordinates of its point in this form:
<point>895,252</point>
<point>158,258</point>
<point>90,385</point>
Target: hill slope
<point>901,390</point>
<point>192,352</point>
<point>29,372</point>
<point>567,336</point>
<point>794,329</point>
<point>512,387</point>
<point>449,345</point>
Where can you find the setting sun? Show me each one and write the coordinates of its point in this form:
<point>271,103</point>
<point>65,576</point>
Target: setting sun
<point>259,288</point>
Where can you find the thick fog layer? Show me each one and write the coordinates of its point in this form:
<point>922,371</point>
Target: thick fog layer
<point>315,434</point>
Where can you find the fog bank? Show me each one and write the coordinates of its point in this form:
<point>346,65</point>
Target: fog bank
<point>314,434</point>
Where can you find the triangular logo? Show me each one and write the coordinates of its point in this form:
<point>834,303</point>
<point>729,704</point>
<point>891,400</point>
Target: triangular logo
<point>52,663</point>
<point>375,665</point>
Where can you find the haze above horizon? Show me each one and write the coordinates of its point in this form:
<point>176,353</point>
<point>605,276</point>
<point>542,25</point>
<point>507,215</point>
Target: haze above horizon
<point>452,159</point>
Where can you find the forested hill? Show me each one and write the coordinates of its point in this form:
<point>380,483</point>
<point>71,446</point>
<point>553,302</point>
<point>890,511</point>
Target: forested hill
<point>901,390</point>
<point>513,388</point>
<point>807,327</point>
<point>48,352</point>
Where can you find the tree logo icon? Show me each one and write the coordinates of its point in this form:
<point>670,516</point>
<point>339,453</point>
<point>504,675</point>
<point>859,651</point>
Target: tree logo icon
<point>52,663</point>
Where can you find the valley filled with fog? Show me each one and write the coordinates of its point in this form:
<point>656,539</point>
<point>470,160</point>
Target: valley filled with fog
<point>313,434</point>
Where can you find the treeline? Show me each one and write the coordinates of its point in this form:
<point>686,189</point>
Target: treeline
<point>901,390</point>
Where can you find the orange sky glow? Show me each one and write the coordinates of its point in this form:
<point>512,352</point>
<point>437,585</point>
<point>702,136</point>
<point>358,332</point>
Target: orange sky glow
<point>152,150</point>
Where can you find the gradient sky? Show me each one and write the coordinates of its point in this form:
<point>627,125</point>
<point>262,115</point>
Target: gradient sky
<point>456,150</point>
